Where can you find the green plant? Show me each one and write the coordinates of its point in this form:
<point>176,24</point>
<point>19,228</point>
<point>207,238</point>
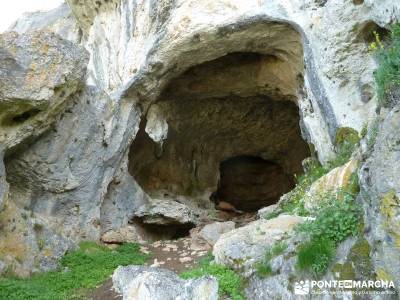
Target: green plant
<point>230,283</point>
<point>271,215</point>
<point>346,141</point>
<point>364,130</point>
<point>277,249</point>
<point>41,243</point>
<point>372,134</point>
<point>387,75</point>
<point>315,255</point>
<point>294,204</point>
<point>337,219</point>
<point>82,269</point>
<point>263,269</point>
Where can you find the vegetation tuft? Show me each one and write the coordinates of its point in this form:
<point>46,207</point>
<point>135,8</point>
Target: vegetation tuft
<point>316,255</point>
<point>263,268</point>
<point>230,283</point>
<point>337,219</point>
<point>387,76</point>
<point>82,270</point>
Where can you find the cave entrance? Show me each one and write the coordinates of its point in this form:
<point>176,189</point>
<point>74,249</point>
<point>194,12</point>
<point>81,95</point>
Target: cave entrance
<point>250,183</point>
<point>228,126</point>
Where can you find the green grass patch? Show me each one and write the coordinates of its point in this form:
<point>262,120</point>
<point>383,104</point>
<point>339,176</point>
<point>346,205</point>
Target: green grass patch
<point>81,270</point>
<point>263,268</point>
<point>276,249</point>
<point>387,75</point>
<point>316,256</point>
<point>337,219</point>
<point>230,283</point>
<point>272,215</point>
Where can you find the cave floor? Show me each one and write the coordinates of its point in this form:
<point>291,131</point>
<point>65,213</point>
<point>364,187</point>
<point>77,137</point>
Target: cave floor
<point>177,255</point>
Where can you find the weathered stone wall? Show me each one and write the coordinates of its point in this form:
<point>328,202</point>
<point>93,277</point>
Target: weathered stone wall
<point>67,154</point>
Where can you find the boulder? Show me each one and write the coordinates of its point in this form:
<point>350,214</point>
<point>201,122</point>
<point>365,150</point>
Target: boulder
<point>165,212</point>
<point>212,232</point>
<point>125,234</point>
<point>150,283</point>
<point>243,247</point>
<point>39,71</point>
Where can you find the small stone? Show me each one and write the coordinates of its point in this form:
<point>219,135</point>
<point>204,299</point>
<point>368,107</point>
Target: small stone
<point>185,259</point>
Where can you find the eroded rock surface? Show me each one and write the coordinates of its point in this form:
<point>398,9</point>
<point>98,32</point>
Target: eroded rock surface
<point>282,74</point>
<point>39,72</point>
<point>380,192</point>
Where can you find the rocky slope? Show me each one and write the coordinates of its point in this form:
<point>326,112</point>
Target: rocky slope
<point>125,119</point>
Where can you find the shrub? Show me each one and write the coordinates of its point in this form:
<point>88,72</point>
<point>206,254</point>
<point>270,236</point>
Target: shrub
<point>230,283</point>
<point>316,255</point>
<point>336,220</point>
<point>387,75</point>
<point>85,268</point>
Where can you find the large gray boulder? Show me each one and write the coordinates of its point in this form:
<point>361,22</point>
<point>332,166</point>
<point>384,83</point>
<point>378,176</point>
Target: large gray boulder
<point>165,212</point>
<point>212,232</point>
<point>243,247</point>
<point>39,72</point>
<point>149,283</point>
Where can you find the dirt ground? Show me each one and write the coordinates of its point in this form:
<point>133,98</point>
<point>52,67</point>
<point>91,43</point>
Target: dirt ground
<point>176,255</point>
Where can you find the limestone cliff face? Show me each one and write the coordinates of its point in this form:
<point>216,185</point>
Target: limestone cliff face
<point>78,84</point>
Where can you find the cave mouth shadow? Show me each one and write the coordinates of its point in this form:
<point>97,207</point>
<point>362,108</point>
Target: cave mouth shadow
<point>233,131</point>
<point>251,182</point>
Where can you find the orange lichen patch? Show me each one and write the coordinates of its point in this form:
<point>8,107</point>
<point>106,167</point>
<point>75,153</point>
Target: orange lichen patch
<point>45,48</point>
<point>12,242</point>
<point>335,180</point>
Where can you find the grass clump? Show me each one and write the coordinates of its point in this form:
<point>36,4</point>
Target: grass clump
<point>387,76</point>
<point>271,215</point>
<point>82,270</point>
<point>263,268</point>
<point>316,255</point>
<point>230,283</point>
<point>277,249</point>
<point>337,219</point>
<point>372,134</point>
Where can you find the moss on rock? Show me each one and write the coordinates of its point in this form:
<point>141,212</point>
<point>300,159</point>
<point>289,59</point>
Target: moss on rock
<point>346,135</point>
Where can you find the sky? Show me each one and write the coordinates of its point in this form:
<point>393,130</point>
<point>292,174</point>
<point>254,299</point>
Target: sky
<point>11,10</point>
